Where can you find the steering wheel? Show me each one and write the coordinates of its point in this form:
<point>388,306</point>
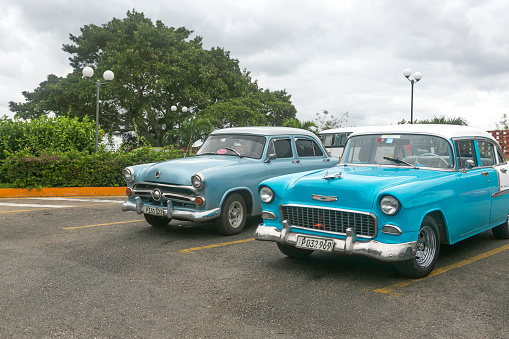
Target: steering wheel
<point>432,155</point>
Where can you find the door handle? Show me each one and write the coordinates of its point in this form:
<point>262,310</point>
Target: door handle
<point>484,174</point>
<point>295,161</point>
<point>328,159</point>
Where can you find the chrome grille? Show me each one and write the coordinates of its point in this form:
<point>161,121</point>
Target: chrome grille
<point>169,192</point>
<point>331,220</point>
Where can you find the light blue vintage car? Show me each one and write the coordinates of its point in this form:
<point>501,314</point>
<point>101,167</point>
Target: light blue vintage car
<point>221,181</point>
<point>396,195</point>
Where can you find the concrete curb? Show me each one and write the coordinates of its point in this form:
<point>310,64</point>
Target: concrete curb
<point>61,192</point>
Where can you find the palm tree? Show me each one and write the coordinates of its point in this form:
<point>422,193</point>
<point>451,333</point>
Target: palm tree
<point>444,121</point>
<point>189,132</point>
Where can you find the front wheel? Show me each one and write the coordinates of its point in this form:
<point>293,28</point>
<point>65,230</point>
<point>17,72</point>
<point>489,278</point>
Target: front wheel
<point>501,231</point>
<point>156,221</point>
<point>294,252</point>
<point>233,215</point>
<point>428,247</point>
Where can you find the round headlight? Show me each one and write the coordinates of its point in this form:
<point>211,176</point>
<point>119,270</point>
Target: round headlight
<point>128,174</point>
<point>389,205</point>
<point>197,181</point>
<point>266,194</point>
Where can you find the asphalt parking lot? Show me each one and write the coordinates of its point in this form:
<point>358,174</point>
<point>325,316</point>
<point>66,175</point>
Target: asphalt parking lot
<point>82,268</point>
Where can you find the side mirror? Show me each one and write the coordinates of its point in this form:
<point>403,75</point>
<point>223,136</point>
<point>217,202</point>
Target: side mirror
<point>469,164</point>
<point>271,157</point>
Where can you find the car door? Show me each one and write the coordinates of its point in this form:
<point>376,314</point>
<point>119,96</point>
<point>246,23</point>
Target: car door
<point>310,154</point>
<point>500,197</point>
<point>280,157</point>
<point>476,184</point>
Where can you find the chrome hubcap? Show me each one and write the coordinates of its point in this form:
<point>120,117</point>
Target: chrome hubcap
<point>426,247</point>
<point>235,214</point>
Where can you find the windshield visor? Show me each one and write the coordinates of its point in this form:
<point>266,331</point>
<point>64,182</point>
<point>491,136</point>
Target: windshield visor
<point>399,150</point>
<point>249,146</point>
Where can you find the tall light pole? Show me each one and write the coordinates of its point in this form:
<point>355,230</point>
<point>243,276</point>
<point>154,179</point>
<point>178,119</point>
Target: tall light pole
<point>407,72</point>
<point>174,109</point>
<point>88,72</point>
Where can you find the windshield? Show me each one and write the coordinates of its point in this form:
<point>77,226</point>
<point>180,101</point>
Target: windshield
<point>415,150</point>
<point>250,146</point>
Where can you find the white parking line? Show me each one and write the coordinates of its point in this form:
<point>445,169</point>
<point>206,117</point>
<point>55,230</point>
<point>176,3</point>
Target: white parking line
<point>33,205</point>
<point>73,199</point>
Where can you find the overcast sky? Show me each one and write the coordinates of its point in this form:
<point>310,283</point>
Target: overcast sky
<point>339,56</point>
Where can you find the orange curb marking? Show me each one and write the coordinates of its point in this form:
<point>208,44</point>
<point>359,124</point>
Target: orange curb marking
<point>61,192</point>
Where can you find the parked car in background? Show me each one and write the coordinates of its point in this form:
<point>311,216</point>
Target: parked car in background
<point>398,193</point>
<point>221,181</point>
<point>334,140</point>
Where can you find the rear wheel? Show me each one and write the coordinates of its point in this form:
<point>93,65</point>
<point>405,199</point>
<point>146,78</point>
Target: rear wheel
<point>156,221</point>
<point>233,215</point>
<point>293,251</point>
<point>428,247</point>
<point>501,231</point>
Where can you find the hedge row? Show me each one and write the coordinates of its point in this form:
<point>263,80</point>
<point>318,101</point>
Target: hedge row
<point>77,169</point>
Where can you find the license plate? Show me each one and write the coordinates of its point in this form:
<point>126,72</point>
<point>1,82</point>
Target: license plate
<point>310,243</point>
<point>159,211</point>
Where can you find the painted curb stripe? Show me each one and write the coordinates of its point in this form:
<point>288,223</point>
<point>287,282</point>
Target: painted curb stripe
<point>61,192</point>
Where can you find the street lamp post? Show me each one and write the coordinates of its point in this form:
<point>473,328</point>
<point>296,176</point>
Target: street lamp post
<point>88,72</point>
<point>174,109</point>
<point>407,72</point>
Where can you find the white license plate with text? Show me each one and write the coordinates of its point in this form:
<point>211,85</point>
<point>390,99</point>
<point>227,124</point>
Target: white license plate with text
<point>159,211</point>
<point>311,243</point>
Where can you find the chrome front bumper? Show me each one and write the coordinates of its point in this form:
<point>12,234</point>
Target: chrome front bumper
<point>172,213</point>
<point>350,245</point>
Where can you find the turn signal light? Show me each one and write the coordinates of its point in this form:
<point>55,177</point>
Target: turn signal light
<point>128,191</point>
<point>199,201</point>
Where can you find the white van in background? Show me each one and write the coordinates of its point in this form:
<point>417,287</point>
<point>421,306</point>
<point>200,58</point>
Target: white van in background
<point>334,139</point>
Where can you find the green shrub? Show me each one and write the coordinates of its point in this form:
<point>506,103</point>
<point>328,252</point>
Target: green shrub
<point>54,168</point>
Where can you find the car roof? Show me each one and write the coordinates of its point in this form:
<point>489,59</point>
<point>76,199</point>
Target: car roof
<point>265,130</point>
<point>440,130</point>
<point>340,130</point>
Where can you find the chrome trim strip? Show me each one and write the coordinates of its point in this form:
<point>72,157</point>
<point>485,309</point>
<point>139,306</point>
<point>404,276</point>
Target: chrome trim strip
<point>500,193</point>
<point>191,188</point>
<point>351,245</point>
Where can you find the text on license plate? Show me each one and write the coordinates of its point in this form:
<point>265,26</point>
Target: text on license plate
<point>159,211</point>
<point>315,244</point>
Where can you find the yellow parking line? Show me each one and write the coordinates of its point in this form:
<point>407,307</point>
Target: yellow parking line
<point>390,289</point>
<point>111,223</point>
<point>191,250</point>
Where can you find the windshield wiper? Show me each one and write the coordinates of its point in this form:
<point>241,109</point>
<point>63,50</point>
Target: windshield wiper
<point>234,151</point>
<point>399,161</point>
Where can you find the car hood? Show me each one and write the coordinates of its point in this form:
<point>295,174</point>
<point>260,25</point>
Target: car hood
<point>357,187</point>
<point>179,171</point>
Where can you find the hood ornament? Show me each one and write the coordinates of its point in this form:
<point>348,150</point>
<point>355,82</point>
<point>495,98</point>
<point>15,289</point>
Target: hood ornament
<point>158,173</point>
<point>323,197</point>
<point>332,176</point>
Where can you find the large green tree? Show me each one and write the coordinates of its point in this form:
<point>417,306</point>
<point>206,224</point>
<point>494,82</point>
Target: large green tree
<point>156,67</point>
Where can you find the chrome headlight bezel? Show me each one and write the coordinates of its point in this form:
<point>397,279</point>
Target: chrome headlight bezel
<point>198,181</point>
<point>390,205</point>
<point>128,174</point>
<point>266,194</point>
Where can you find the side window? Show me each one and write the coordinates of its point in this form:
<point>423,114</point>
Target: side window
<point>281,147</point>
<point>500,157</point>
<point>465,151</point>
<point>307,148</point>
<point>487,153</point>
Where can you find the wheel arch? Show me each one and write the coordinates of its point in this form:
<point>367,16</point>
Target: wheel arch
<point>441,223</point>
<point>245,193</point>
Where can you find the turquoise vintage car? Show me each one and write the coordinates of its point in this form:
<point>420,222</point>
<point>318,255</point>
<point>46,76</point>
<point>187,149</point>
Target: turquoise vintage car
<point>221,181</point>
<point>398,193</point>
